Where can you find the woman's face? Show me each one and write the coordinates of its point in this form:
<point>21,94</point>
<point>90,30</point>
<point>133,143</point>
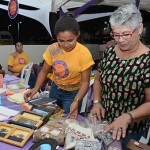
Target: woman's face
<point>67,40</point>
<point>19,47</point>
<point>126,37</point>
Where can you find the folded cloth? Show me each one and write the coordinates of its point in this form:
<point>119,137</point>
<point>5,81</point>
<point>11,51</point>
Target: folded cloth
<point>17,97</point>
<point>10,79</point>
<point>75,132</point>
<point>15,86</point>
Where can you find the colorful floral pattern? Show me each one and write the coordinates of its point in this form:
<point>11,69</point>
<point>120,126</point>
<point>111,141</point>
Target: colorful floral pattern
<point>123,83</point>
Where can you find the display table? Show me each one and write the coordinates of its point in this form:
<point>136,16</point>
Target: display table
<point>11,105</point>
<point>5,146</point>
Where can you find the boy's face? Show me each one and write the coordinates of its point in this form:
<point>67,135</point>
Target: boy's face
<point>67,40</point>
<point>19,47</point>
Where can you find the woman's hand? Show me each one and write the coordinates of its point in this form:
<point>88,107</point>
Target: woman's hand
<point>119,126</point>
<point>29,94</point>
<point>98,111</point>
<point>73,114</point>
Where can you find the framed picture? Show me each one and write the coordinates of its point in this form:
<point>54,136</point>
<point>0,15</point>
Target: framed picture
<point>33,115</point>
<point>14,123</point>
<point>45,110</point>
<point>17,135</point>
<point>27,121</point>
<point>4,129</point>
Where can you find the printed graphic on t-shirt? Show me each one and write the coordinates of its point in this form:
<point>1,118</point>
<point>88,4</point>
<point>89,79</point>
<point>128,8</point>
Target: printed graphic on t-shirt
<point>21,61</point>
<point>60,69</point>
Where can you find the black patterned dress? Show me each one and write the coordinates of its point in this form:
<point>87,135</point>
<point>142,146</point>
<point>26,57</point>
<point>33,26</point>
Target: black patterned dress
<point>123,83</point>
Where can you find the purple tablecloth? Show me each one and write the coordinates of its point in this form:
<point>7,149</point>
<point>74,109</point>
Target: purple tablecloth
<point>10,79</point>
<point>5,146</point>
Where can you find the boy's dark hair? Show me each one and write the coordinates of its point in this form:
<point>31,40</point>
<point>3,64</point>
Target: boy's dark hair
<point>67,23</point>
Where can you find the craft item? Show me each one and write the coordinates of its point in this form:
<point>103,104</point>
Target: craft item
<point>33,115</point>
<point>15,86</point>
<point>6,113</point>
<point>86,144</point>
<point>14,135</point>
<point>45,144</point>
<point>27,121</point>
<point>52,129</point>
<point>42,101</point>
<point>44,110</point>
<point>70,141</point>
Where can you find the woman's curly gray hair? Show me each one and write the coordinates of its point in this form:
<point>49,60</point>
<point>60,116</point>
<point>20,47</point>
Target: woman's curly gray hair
<point>127,15</point>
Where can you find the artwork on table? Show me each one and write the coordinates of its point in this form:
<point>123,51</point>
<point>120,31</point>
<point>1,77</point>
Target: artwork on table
<point>18,135</point>
<point>14,123</point>
<point>40,111</point>
<point>4,130</point>
<point>27,121</point>
<point>32,115</point>
<point>14,135</point>
<point>44,110</point>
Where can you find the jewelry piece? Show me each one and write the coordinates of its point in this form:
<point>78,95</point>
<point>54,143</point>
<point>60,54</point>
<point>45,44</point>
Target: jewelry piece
<point>120,129</point>
<point>96,101</point>
<point>76,100</point>
<point>131,117</point>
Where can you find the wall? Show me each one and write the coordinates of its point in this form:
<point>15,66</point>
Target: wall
<point>35,52</point>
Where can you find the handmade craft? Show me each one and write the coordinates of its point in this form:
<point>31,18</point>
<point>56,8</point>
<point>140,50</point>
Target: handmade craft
<point>46,110</point>
<point>14,135</point>
<point>86,144</point>
<point>27,121</point>
<point>52,129</point>
<point>75,132</point>
<point>45,144</point>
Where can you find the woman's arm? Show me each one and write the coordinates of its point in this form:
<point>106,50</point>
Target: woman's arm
<point>85,79</point>
<point>98,111</point>
<point>10,68</point>
<point>40,80</point>
<point>125,119</point>
<point>142,111</point>
<point>97,88</point>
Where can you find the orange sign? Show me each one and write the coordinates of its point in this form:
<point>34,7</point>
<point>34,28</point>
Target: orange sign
<point>13,9</point>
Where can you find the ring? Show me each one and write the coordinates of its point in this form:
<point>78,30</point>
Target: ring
<point>120,129</point>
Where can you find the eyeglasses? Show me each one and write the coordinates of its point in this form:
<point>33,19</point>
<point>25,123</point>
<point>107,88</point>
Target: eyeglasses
<point>125,36</point>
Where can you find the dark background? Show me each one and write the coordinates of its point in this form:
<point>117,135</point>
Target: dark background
<point>92,31</point>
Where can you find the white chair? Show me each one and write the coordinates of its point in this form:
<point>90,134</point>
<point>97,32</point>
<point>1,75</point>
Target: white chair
<point>26,71</point>
<point>85,99</point>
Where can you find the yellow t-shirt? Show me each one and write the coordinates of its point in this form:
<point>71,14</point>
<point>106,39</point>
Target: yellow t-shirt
<point>18,61</point>
<point>68,66</point>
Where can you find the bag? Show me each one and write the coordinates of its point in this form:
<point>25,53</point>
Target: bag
<point>85,144</point>
<point>54,129</point>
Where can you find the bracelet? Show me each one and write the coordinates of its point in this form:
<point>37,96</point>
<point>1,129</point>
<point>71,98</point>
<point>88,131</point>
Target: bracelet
<point>76,100</point>
<point>96,101</point>
<point>131,117</point>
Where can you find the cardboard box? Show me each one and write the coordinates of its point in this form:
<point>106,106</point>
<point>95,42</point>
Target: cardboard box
<point>136,145</point>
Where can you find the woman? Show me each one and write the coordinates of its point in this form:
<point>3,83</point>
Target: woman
<point>17,60</point>
<point>70,64</point>
<point>122,85</point>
